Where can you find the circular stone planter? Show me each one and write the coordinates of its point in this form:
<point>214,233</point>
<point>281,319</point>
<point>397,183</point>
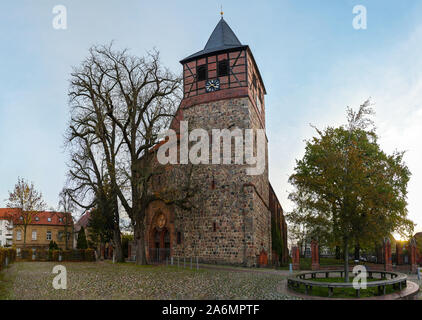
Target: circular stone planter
<point>397,280</point>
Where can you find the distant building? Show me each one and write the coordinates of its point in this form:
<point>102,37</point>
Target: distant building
<point>82,222</point>
<point>6,230</point>
<point>104,250</point>
<point>45,226</point>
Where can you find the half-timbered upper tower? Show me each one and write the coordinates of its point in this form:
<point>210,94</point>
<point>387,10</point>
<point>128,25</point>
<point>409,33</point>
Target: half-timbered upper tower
<point>224,69</point>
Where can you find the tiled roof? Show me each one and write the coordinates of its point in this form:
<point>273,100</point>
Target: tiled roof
<point>7,213</point>
<point>83,221</point>
<point>222,38</point>
<point>40,218</point>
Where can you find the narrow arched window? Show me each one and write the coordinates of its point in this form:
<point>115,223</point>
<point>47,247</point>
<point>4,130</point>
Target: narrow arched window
<point>223,68</point>
<point>201,73</point>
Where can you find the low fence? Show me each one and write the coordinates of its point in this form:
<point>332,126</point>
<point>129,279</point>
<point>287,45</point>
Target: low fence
<point>57,255</point>
<point>157,255</point>
<point>7,256</point>
<point>162,257</point>
<point>191,263</point>
<point>307,280</point>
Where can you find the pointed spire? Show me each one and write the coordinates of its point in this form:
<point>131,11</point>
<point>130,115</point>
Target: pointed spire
<point>222,38</point>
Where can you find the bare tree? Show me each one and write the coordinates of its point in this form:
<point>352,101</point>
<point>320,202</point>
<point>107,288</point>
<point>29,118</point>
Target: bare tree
<point>88,180</point>
<point>127,101</point>
<point>66,207</point>
<point>30,201</point>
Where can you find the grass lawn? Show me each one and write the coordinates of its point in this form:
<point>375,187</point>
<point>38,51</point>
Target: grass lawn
<point>344,292</point>
<point>104,280</point>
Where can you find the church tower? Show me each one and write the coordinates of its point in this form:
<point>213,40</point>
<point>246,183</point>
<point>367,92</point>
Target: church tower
<point>222,89</point>
<point>224,69</point>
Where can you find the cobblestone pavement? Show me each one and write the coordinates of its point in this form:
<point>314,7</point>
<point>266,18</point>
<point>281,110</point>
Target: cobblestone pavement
<point>33,280</point>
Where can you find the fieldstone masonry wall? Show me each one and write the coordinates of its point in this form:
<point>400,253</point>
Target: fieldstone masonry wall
<point>231,221</point>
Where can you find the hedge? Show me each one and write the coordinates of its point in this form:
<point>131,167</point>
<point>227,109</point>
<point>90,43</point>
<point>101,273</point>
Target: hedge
<point>8,253</point>
<point>53,255</point>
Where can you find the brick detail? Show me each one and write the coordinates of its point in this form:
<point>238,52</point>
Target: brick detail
<point>295,258</point>
<point>387,255</point>
<point>315,255</point>
<point>413,263</point>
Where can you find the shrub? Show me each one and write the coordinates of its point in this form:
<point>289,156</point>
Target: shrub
<point>76,255</point>
<point>2,257</point>
<point>55,255</point>
<point>66,255</point>
<point>50,255</point>
<point>47,255</point>
<point>53,245</point>
<point>9,254</point>
<point>26,254</point>
<point>41,255</point>
<point>89,255</point>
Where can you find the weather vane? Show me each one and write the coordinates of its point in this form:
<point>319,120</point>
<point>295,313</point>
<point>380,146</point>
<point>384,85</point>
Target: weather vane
<point>221,12</point>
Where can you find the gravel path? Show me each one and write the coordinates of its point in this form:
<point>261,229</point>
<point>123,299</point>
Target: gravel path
<point>104,280</point>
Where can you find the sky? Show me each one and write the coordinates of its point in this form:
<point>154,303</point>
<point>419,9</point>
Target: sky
<point>314,64</point>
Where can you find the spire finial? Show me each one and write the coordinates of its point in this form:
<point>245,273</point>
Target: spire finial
<point>221,12</point>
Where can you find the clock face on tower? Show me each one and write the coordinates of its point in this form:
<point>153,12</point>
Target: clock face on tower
<point>212,85</point>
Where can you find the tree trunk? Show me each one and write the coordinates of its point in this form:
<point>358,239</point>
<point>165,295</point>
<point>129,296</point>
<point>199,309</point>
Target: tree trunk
<point>357,252</point>
<point>24,237</point>
<point>117,242</point>
<point>65,237</point>
<point>346,260</point>
<point>102,249</point>
<point>141,258</point>
<point>338,253</point>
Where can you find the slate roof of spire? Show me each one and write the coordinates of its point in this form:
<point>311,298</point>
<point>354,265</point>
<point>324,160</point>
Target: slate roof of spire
<point>222,38</point>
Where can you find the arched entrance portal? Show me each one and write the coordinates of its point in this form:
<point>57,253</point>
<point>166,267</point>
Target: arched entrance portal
<point>159,232</point>
<point>161,246</point>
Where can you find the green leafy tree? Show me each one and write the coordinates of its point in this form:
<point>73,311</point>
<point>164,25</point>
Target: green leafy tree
<point>82,243</point>
<point>100,226</point>
<point>348,189</point>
